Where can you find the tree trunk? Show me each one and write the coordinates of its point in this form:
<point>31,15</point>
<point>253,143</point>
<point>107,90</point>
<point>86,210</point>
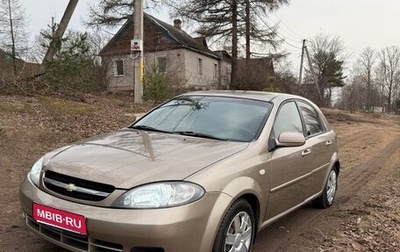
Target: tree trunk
<point>368,101</point>
<point>59,33</point>
<point>248,30</point>
<point>389,99</point>
<point>234,83</point>
<point>13,53</point>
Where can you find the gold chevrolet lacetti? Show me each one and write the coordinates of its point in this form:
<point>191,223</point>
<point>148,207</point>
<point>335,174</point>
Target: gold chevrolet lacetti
<point>204,171</point>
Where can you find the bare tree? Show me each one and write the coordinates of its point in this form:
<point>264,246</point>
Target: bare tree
<point>366,62</point>
<point>13,33</point>
<point>350,97</point>
<point>285,80</point>
<point>388,73</point>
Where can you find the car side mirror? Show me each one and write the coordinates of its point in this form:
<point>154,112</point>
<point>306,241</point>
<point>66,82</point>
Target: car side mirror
<point>290,139</point>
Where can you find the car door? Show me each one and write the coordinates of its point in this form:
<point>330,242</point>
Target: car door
<point>321,144</point>
<point>290,166</point>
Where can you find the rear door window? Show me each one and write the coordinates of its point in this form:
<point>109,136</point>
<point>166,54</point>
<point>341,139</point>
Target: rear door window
<point>312,119</point>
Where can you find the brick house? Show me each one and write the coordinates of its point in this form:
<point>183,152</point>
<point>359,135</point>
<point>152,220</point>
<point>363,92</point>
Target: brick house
<point>170,50</point>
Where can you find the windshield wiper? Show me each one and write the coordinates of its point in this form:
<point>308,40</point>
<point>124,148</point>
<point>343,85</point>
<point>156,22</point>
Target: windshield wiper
<point>148,128</point>
<point>198,134</point>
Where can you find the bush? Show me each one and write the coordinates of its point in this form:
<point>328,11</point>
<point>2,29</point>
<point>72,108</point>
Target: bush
<point>156,86</point>
<point>74,67</point>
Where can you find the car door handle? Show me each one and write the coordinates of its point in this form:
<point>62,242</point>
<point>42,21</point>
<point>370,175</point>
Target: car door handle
<point>328,142</point>
<point>306,152</point>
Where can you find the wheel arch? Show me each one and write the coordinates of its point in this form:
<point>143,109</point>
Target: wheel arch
<point>255,205</point>
<point>336,166</point>
<point>335,163</point>
<point>250,190</point>
<point>247,188</point>
<point>240,188</point>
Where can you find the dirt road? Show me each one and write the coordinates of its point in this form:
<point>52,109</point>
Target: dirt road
<point>365,216</point>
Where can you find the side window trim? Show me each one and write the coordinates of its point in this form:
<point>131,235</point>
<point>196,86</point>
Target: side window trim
<point>278,112</point>
<point>321,122</point>
<point>303,121</point>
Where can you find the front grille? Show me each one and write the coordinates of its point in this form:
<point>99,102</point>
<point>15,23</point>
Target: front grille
<point>76,187</point>
<point>71,240</point>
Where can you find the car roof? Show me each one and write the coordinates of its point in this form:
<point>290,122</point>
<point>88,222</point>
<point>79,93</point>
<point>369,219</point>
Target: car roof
<point>254,95</point>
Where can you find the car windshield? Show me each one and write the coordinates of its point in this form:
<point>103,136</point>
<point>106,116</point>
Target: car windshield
<point>224,118</point>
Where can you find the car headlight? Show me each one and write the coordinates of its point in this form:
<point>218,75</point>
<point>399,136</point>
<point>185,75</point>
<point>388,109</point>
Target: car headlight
<point>35,171</point>
<point>160,195</point>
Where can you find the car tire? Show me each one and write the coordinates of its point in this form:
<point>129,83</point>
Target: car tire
<point>237,229</point>
<point>328,194</point>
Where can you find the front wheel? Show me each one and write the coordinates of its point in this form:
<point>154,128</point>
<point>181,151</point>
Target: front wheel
<point>329,192</point>
<point>236,233</point>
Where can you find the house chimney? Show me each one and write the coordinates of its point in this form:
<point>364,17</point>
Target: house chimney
<point>177,24</point>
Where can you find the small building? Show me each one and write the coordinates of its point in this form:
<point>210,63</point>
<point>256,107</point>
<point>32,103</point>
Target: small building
<point>167,49</point>
<point>255,73</point>
<point>24,69</point>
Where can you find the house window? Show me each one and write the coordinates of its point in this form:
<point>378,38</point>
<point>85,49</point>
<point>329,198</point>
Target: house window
<point>162,64</point>
<point>215,70</point>
<point>119,67</point>
<point>200,66</point>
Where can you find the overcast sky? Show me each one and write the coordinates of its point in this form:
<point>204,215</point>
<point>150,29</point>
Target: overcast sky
<point>360,23</point>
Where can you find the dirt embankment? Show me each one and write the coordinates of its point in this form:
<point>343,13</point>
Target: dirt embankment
<point>365,216</point>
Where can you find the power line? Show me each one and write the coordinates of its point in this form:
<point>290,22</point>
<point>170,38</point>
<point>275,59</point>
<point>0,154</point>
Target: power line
<point>295,38</point>
<point>277,34</point>
<point>291,39</point>
<point>280,21</point>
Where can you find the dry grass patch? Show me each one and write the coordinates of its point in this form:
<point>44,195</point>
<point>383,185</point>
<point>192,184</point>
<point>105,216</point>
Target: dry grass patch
<point>66,107</point>
<point>16,106</point>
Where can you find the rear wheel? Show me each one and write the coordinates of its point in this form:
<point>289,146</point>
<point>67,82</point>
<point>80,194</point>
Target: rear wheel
<point>328,195</point>
<point>236,233</point>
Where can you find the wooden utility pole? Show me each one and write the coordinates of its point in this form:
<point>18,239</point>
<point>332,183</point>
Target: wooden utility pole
<point>301,62</point>
<point>59,33</point>
<point>313,74</point>
<point>138,59</point>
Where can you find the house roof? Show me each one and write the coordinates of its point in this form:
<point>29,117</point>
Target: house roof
<point>224,56</point>
<point>259,65</point>
<point>158,36</point>
<point>25,69</point>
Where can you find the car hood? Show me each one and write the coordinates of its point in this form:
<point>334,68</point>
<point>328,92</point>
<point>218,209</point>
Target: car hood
<point>127,158</point>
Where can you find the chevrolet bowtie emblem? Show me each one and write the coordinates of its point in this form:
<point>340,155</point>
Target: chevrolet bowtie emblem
<point>70,187</point>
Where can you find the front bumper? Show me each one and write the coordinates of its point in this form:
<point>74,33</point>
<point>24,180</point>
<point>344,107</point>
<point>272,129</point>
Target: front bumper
<point>179,229</point>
